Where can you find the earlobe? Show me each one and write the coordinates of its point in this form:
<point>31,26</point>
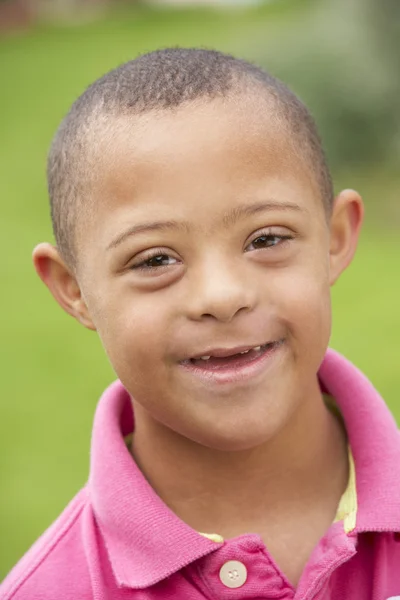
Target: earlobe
<point>61,282</point>
<point>345,226</point>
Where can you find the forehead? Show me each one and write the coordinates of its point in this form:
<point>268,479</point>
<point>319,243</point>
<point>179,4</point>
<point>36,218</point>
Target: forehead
<point>198,158</point>
<point>244,128</point>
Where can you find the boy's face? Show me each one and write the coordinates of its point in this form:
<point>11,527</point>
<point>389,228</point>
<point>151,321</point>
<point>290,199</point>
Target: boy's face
<point>208,236</point>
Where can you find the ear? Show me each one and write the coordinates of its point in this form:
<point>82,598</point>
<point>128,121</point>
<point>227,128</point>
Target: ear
<point>346,220</point>
<point>61,282</point>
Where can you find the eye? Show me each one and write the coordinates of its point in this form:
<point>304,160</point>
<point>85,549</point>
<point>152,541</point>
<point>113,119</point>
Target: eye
<point>155,261</point>
<point>268,240</point>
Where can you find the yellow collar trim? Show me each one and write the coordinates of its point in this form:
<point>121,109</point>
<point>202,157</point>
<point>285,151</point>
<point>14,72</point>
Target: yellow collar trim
<point>347,509</point>
<point>214,537</point>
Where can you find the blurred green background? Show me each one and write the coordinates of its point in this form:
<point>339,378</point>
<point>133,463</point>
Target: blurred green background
<point>341,58</point>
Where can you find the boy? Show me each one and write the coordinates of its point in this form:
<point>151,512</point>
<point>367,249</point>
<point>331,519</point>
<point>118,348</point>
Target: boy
<point>236,457</point>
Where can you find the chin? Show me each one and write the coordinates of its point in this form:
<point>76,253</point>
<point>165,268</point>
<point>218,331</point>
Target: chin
<point>232,442</point>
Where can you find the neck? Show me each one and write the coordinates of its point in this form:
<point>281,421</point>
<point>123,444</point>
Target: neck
<point>304,466</point>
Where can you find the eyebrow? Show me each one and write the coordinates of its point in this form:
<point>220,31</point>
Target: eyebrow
<point>228,219</point>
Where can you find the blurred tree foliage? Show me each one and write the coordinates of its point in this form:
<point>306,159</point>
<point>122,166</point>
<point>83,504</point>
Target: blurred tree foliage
<point>343,59</point>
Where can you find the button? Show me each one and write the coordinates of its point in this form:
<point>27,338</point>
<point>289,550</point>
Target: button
<point>233,574</point>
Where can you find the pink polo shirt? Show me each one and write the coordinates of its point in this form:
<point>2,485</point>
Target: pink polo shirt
<point>118,541</point>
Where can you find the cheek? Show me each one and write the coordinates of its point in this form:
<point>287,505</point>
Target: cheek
<point>304,305</point>
<point>134,333</point>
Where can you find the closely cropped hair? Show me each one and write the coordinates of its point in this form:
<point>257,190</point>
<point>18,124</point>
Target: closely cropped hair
<point>161,80</point>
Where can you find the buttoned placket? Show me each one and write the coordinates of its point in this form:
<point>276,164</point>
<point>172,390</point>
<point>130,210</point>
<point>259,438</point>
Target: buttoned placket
<point>242,569</point>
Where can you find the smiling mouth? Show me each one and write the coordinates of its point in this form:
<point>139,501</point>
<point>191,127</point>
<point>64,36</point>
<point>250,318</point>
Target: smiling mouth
<point>231,361</point>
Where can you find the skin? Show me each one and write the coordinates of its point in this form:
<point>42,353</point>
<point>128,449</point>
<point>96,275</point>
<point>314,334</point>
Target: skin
<point>222,285</point>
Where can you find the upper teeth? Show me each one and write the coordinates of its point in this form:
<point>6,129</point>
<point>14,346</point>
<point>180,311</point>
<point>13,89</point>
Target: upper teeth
<point>244,352</point>
<point>255,348</point>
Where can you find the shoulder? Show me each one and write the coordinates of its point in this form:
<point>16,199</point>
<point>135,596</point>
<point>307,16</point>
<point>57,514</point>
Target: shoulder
<point>44,573</point>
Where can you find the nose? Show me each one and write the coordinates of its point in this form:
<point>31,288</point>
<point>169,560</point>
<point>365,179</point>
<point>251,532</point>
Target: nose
<point>221,290</point>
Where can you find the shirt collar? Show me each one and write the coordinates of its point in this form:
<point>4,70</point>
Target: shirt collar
<point>374,440</point>
<point>147,542</point>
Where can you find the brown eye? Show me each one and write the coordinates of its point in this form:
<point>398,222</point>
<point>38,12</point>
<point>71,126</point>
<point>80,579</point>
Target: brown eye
<point>267,241</point>
<point>156,261</point>
<point>162,260</point>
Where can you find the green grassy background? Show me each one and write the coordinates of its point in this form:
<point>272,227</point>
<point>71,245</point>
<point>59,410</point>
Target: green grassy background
<point>53,371</point>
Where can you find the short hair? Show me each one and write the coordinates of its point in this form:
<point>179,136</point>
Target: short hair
<point>162,80</point>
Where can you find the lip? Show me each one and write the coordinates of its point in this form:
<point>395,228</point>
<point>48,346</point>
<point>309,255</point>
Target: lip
<point>234,375</point>
<point>224,352</point>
